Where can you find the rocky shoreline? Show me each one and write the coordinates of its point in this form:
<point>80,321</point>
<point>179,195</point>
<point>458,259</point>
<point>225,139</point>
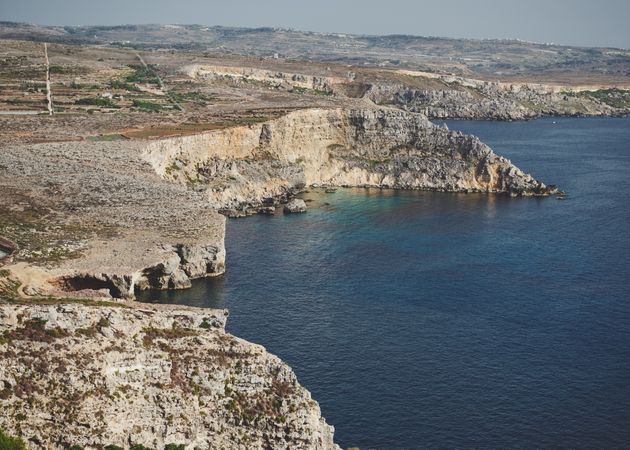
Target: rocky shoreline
<point>471,99</point>
<point>244,169</point>
<point>126,216</point>
<point>124,184</point>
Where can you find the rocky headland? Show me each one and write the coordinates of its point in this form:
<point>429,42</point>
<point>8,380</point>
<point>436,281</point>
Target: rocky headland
<point>102,220</point>
<point>455,97</point>
<point>126,186</point>
<point>240,168</point>
<point>126,216</point>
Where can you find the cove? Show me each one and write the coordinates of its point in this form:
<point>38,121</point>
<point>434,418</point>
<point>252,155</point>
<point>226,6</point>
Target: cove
<point>423,319</point>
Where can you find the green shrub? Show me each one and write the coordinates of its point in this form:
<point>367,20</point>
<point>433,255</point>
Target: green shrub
<point>140,447</point>
<point>142,74</point>
<point>117,84</point>
<point>147,106</point>
<point>617,98</point>
<point>321,92</point>
<point>194,97</point>
<point>11,443</point>
<point>299,89</point>
<point>175,447</point>
<point>112,447</point>
<point>58,69</point>
<point>96,101</point>
<point>303,90</point>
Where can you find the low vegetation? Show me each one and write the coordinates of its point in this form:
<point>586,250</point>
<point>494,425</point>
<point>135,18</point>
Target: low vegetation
<point>58,69</point>
<point>303,90</point>
<point>11,443</point>
<point>192,97</point>
<point>102,102</point>
<point>617,98</point>
<point>251,409</point>
<point>94,329</point>
<point>151,334</point>
<point>35,330</point>
<point>118,84</point>
<point>147,106</point>
<point>142,74</point>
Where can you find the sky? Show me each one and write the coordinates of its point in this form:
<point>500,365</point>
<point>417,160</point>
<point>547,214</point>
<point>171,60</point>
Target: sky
<point>569,22</point>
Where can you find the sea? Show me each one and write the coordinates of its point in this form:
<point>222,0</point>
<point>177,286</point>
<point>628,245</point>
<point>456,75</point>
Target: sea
<point>441,320</point>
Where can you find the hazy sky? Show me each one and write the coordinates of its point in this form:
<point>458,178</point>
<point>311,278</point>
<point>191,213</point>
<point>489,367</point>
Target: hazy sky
<point>577,22</point>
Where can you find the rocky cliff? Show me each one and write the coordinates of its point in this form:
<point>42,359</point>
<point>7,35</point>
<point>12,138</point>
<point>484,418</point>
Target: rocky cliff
<point>74,374</point>
<point>94,218</point>
<point>383,147</point>
<point>269,78</point>
<point>102,219</point>
<point>109,218</point>
<point>452,97</point>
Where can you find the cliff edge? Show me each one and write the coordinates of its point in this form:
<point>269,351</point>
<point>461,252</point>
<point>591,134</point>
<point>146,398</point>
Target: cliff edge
<point>92,376</point>
<point>240,167</point>
<point>100,220</point>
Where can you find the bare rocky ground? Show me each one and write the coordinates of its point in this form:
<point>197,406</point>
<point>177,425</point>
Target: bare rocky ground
<point>97,212</point>
<point>121,375</point>
<point>120,189</point>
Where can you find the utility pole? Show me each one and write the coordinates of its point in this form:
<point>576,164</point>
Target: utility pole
<point>48,92</point>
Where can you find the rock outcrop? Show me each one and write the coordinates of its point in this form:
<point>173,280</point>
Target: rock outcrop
<point>176,266</point>
<point>382,147</point>
<point>451,104</point>
<point>295,205</point>
<point>93,376</point>
<point>7,248</point>
<point>93,216</point>
<point>275,79</point>
<point>454,97</point>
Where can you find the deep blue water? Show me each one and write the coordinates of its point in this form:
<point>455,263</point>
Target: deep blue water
<point>423,319</point>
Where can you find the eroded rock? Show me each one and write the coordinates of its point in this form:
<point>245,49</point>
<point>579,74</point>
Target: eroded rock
<point>373,147</point>
<point>295,205</point>
<point>93,376</point>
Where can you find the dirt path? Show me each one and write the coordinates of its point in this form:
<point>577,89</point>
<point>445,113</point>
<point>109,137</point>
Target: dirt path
<point>161,83</point>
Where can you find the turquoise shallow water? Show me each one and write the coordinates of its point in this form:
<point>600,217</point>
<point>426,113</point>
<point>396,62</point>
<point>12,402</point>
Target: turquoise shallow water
<point>423,319</point>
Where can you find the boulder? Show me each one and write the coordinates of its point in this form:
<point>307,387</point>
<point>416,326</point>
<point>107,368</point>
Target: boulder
<point>296,205</point>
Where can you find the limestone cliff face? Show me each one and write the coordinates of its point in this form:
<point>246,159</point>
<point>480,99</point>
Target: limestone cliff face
<point>276,79</point>
<point>452,104</point>
<point>161,267</point>
<point>380,147</point>
<point>93,376</point>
